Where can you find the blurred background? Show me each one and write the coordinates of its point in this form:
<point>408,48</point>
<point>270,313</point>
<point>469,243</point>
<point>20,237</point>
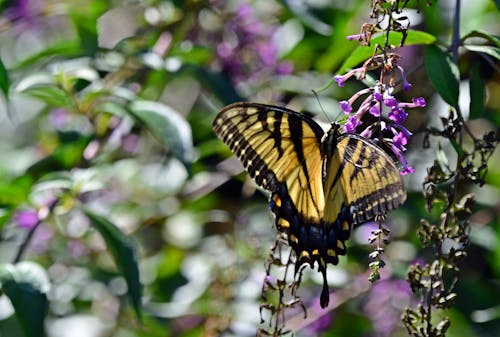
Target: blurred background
<point>107,109</point>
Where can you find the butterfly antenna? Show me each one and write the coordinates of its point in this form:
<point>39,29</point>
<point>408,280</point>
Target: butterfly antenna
<point>322,109</point>
<point>321,106</point>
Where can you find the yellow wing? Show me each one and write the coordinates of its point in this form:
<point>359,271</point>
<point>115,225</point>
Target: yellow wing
<point>371,181</point>
<point>280,149</point>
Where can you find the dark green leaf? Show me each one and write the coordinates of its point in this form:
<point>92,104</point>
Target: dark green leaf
<point>362,53</point>
<point>124,252</point>
<point>489,50</point>
<point>219,84</point>
<point>4,80</point>
<point>26,285</point>
<point>84,19</point>
<point>443,73</point>
<point>485,35</point>
<point>167,126</point>
<point>497,2</point>
<point>51,95</point>
<point>477,94</point>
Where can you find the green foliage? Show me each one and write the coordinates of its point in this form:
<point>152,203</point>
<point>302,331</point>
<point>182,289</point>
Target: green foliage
<point>443,74</point>
<point>26,285</point>
<point>124,253</point>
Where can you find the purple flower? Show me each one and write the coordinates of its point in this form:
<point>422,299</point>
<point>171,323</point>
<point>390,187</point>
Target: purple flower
<point>400,140</point>
<point>248,55</point>
<point>377,96</point>
<point>345,106</point>
<point>41,240</point>
<point>352,123</point>
<point>390,102</point>
<point>267,53</point>
<point>399,154</point>
<point>375,110</point>
<point>385,304</point>
<point>284,68</point>
<point>58,118</point>
<point>406,84</point>
<point>340,80</point>
<point>397,115</point>
<point>26,219</point>
<point>419,102</point>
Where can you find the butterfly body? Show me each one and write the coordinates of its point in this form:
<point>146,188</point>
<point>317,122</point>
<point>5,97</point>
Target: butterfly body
<point>321,183</point>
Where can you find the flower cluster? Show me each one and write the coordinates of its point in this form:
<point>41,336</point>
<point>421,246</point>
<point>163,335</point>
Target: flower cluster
<point>379,102</point>
<point>246,51</point>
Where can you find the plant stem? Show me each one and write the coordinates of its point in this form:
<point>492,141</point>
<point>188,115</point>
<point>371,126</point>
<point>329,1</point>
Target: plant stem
<point>456,31</point>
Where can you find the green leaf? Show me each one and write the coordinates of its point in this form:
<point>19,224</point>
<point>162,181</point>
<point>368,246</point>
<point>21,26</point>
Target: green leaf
<point>4,80</point>
<point>166,125</point>
<point>443,73</point>
<point>485,35</point>
<point>477,94</point>
<point>66,156</point>
<point>62,49</point>
<point>124,252</point>
<point>362,53</point>
<point>489,50</point>
<point>51,95</point>
<point>26,285</point>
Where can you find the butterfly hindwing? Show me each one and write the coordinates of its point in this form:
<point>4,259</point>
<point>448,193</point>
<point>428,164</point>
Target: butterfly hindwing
<point>371,181</point>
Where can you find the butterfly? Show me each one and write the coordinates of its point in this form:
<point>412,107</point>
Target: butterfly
<point>321,183</point>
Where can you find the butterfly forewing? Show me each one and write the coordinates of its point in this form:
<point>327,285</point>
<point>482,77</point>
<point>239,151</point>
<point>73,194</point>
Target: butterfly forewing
<point>277,147</point>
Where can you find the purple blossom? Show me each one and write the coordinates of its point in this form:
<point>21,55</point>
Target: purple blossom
<point>377,96</point>
<point>357,37</point>
<point>26,13</point>
<point>390,101</point>
<point>345,106</point>
<point>399,154</point>
<point>352,123</point>
<point>400,140</point>
<point>284,68</point>
<point>340,80</point>
<point>41,240</point>
<point>406,84</point>
<point>385,304</point>
<point>59,118</point>
<point>375,110</point>
<point>249,54</point>
<point>27,219</point>
<point>397,115</point>
<point>419,102</point>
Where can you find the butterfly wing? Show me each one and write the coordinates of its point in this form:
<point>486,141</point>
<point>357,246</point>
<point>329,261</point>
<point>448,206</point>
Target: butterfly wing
<point>371,181</point>
<point>321,185</point>
<point>280,149</point>
<point>360,182</point>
